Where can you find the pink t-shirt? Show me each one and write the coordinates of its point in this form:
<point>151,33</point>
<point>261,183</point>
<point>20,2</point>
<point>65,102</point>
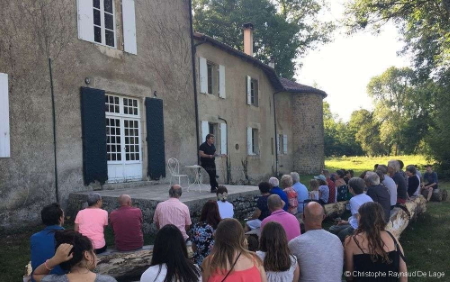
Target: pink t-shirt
<point>289,222</point>
<point>91,223</point>
<point>173,211</point>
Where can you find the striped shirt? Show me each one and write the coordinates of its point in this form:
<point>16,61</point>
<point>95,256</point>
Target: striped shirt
<point>173,211</point>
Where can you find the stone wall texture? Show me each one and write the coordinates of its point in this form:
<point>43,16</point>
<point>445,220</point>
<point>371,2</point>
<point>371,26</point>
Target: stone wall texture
<point>244,205</point>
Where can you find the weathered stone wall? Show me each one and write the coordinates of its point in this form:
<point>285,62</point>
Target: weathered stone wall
<point>162,64</point>
<point>308,133</point>
<point>244,205</point>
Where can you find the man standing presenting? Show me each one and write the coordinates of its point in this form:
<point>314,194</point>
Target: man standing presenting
<point>173,211</point>
<point>207,152</point>
<point>126,222</point>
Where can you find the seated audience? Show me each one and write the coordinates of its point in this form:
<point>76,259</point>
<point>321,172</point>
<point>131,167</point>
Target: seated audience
<point>292,196</point>
<point>262,210</point>
<point>431,181</point>
<point>405,176</point>
<point>323,189</point>
<point>203,231</point>
<point>226,208</point>
<point>389,183</point>
<point>91,222</point>
<point>230,260</point>
<point>372,249</point>
<point>126,223</point>
<point>378,192</point>
<point>173,211</point>
<point>331,187</point>
<point>319,253</point>
<point>74,254</point>
<point>288,221</point>
<point>302,191</point>
<point>278,263</point>
<point>314,190</point>
<point>413,181</point>
<point>339,178</point>
<point>275,184</point>
<point>343,227</point>
<point>42,243</point>
<point>396,175</point>
<point>170,261</point>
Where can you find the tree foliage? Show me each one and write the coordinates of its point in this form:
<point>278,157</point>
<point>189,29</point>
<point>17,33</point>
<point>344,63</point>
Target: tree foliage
<point>284,29</point>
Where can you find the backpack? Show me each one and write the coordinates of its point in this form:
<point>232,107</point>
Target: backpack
<point>342,193</point>
<point>292,200</point>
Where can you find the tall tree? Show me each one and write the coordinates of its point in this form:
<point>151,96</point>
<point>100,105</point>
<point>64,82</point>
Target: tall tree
<point>284,29</point>
<point>368,133</point>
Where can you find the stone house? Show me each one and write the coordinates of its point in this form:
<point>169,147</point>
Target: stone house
<point>266,125</point>
<point>121,76</point>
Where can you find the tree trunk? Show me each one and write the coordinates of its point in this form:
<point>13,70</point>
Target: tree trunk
<point>400,219</point>
<point>439,195</point>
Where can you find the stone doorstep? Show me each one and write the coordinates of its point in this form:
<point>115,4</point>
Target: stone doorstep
<point>129,185</point>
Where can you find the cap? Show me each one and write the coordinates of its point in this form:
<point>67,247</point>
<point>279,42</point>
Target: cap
<point>322,177</point>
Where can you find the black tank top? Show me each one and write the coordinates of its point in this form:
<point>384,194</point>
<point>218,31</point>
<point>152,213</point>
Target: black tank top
<point>365,269</point>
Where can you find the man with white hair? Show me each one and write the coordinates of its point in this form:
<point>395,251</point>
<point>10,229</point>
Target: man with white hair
<point>278,191</point>
<point>301,190</point>
<point>126,222</point>
<point>378,192</point>
<point>389,183</point>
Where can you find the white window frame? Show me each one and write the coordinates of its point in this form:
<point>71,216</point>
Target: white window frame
<point>102,23</point>
<point>122,116</point>
<point>5,138</point>
<point>252,141</point>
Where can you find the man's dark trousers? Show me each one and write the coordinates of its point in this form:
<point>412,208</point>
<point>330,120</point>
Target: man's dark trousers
<point>211,170</point>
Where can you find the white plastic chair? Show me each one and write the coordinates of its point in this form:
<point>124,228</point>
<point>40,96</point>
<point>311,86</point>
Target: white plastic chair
<point>174,168</point>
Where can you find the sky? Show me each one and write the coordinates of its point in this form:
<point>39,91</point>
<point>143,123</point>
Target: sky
<point>344,67</point>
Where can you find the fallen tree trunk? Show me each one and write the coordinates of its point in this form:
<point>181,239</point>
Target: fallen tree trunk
<point>400,219</point>
<point>122,265</point>
<point>439,195</point>
<point>335,209</point>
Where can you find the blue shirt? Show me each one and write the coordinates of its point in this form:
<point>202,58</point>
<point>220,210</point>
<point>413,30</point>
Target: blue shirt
<point>302,194</point>
<point>282,194</point>
<point>43,247</point>
<point>430,178</point>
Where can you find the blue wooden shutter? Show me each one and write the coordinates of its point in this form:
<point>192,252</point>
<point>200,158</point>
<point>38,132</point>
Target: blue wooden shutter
<point>155,138</point>
<point>93,127</point>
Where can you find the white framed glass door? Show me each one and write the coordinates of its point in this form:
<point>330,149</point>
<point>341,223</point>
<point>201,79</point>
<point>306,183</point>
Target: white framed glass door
<point>123,139</point>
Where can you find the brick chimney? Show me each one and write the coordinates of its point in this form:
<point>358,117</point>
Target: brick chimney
<point>248,38</point>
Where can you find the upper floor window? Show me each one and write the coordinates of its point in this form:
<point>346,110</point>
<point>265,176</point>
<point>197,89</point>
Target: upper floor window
<point>252,91</point>
<point>97,23</point>
<point>212,78</point>
<point>104,27</point>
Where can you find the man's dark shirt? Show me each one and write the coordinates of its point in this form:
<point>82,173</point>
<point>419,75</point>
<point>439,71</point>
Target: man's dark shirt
<point>413,183</point>
<point>380,194</point>
<point>208,150</point>
<point>430,178</point>
<point>401,185</point>
<point>261,204</point>
<point>127,225</point>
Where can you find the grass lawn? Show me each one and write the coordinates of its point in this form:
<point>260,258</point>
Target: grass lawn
<point>425,241</point>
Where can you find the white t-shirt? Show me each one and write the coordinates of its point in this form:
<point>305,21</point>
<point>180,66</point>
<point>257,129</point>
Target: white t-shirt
<point>226,209</point>
<point>392,187</point>
<point>151,274</point>
<point>280,276</point>
<point>355,203</point>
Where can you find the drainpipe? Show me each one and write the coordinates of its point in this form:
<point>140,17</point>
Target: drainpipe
<point>228,169</point>
<point>193,51</point>
<point>275,127</point>
<point>54,129</point>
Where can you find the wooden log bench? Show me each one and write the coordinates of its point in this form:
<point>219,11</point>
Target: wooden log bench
<point>439,195</point>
